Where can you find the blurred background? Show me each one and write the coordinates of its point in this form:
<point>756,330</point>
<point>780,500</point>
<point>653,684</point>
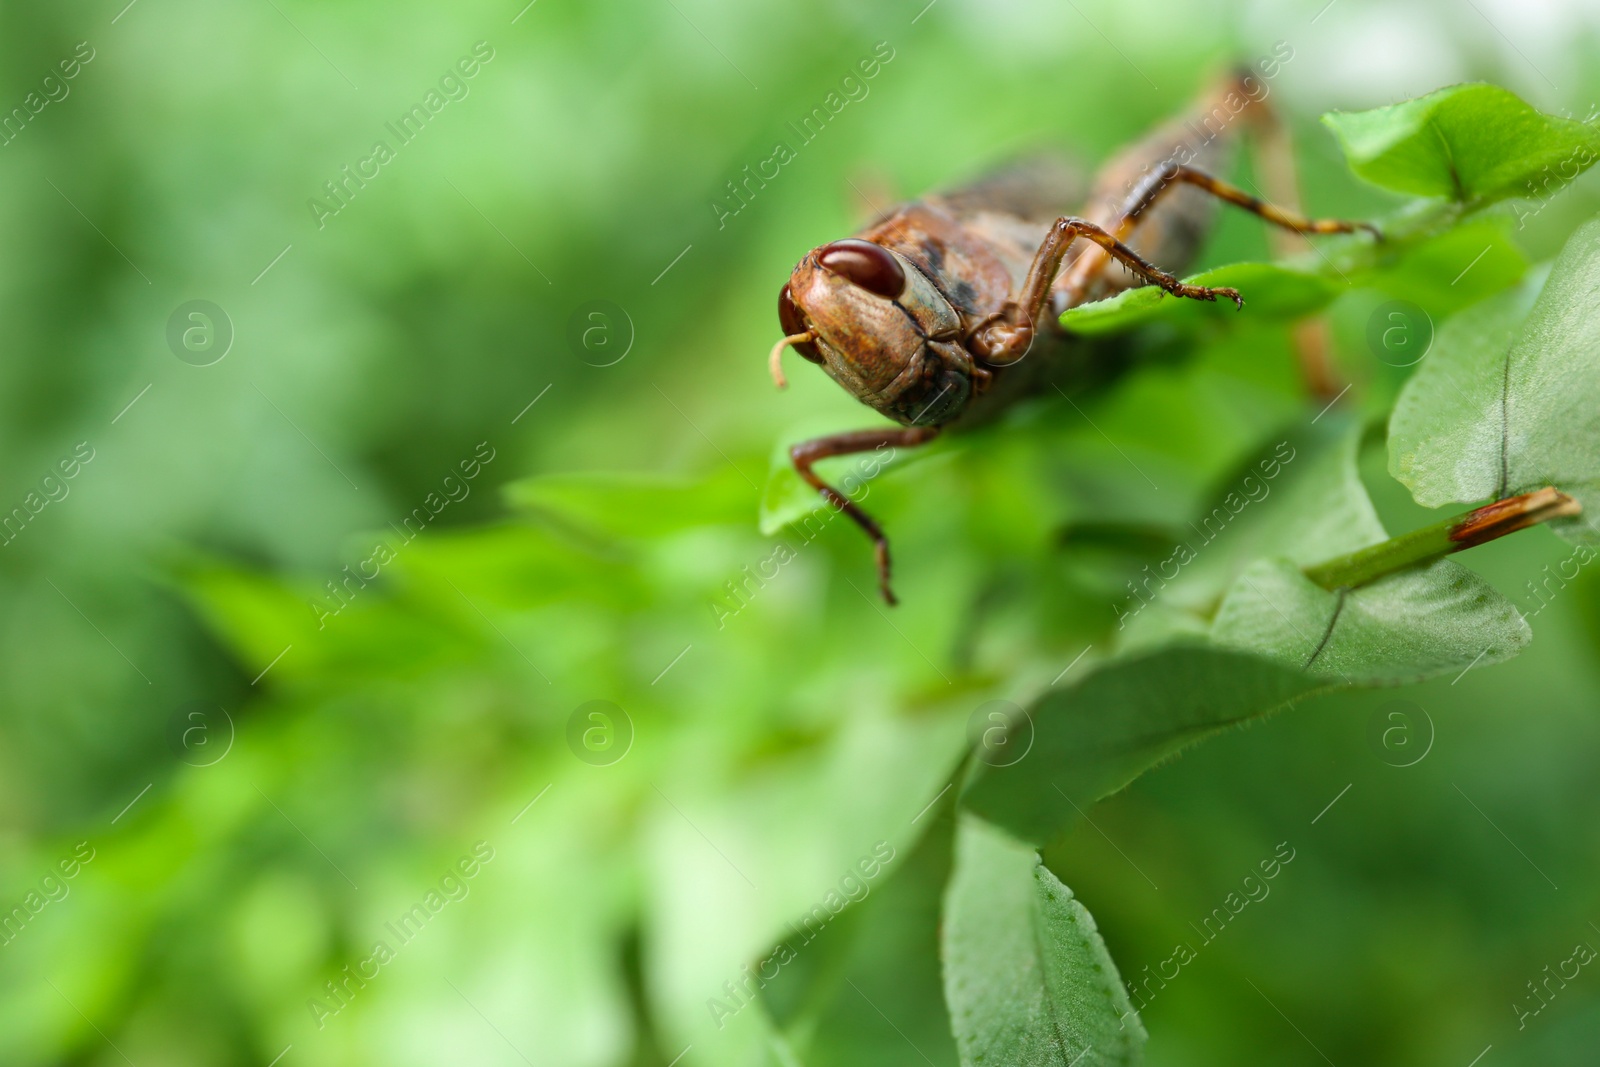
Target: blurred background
<point>239,745</point>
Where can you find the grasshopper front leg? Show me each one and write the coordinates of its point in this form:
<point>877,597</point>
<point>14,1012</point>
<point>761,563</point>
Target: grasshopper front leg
<point>807,453</point>
<point>1008,334</point>
<point>1144,196</point>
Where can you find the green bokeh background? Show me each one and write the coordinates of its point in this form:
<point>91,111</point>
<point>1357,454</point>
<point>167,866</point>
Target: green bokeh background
<point>380,350</point>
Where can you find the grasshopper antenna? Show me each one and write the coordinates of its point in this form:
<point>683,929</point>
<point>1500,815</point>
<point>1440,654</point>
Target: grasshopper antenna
<point>775,361</point>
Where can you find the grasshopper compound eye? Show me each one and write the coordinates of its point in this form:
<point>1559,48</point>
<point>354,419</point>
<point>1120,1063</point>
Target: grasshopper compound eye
<point>870,266</point>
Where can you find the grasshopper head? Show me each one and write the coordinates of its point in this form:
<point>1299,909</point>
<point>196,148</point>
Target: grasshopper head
<point>879,328</point>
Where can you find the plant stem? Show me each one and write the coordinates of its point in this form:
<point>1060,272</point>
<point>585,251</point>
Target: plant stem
<point>1439,540</point>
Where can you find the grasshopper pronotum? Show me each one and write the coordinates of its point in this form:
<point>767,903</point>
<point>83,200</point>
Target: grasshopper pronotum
<point>926,315</point>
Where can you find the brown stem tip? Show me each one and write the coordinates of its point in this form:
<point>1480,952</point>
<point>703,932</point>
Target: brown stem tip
<point>1513,514</point>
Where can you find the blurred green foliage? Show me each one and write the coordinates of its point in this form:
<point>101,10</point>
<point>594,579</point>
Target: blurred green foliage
<point>772,746</point>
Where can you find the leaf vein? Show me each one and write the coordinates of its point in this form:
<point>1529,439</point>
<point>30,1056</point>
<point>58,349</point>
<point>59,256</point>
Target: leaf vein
<point>1333,620</point>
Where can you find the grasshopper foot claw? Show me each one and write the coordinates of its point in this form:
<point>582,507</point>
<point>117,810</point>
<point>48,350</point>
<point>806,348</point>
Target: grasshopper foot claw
<point>881,554</point>
<point>1197,292</point>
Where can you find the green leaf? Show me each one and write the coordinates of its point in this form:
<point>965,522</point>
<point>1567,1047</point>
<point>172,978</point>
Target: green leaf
<point>878,960</point>
<point>1276,637</point>
<point>1472,142</point>
<point>1093,738</point>
<point>785,498</point>
<point>1302,499</point>
<point>1508,402</point>
<point>1269,290</point>
<point>1405,627</point>
<point>1027,977</point>
<point>1445,431</point>
<point>1447,271</point>
<point>614,506</point>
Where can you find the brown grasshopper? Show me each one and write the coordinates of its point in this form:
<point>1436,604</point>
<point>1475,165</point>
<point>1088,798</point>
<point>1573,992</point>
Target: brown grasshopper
<point>926,315</point>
